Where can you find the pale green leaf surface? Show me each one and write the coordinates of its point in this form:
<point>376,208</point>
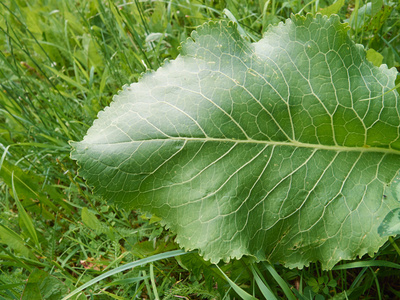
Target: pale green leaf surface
<point>279,149</point>
<point>390,224</point>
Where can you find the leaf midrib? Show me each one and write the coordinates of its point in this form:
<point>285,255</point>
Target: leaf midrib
<point>272,143</point>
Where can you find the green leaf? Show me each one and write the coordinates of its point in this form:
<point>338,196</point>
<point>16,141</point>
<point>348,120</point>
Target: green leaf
<point>309,293</point>
<point>332,283</point>
<point>31,190</point>
<point>333,8</point>
<point>261,283</point>
<point>197,265</point>
<point>279,149</point>
<point>25,220</point>
<point>242,293</point>
<point>376,6</point>
<point>320,280</point>
<point>315,289</point>
<point>15,242</point>
<point>312,282</point>
<point>390,224</point>
<point>42,285</point>
<point>91,221</point>
<point>375,57</point>
<point>289,295</point>
<point>125,267</point>
<point>367,263</point>
<point>149,248</point>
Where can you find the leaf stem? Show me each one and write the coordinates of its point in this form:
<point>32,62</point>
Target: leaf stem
<point>391,240</point>
<point>153,282</point>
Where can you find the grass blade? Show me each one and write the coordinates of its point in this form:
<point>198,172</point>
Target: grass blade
<point>370,263</point>
<point>280,281</point>
<point>242,293</point>
<point>25,220</point>
<point>153,282</point>
<point>126,267</point>
<point>262,284</point>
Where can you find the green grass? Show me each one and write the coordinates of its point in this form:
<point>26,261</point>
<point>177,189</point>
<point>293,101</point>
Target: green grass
<point>60,64</point>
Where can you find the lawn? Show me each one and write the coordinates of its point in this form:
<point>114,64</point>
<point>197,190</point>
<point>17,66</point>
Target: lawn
<point>61,63</point>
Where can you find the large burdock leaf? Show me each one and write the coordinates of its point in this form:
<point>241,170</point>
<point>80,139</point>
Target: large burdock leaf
<point>280,149</point>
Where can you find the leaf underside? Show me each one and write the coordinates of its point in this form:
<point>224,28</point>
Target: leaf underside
<point>280,149</point>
